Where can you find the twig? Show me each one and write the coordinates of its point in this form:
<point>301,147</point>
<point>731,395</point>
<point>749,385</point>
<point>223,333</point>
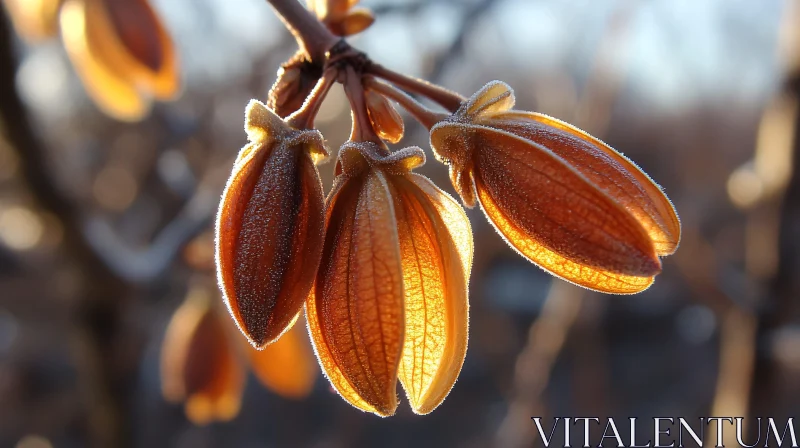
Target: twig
<point>142,266</point>
<point>310,34</point>
<point>446,98</point>
<point>456,47</point>
<point>425,116</point>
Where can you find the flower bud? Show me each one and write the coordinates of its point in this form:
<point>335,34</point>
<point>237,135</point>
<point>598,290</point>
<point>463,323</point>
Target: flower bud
<point>296,79</point>
<point>562,198</point>
<point>269,226</point>
<point>390,299</point>
<point>354,22</point>
<point>341,17</point>
<point>384,117</point>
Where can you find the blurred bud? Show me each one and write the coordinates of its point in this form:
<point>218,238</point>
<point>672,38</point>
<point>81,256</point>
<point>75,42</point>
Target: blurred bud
<point>198,366</point>
<point>34,20</point>
<point>296,79</point>
<point>122,53</point>
<point>562,198</point>
<point>287,366</point>
<point>745,186</point>
<point>394,273</point>
<point>341,17</point>
<point>352,23</point>
<point>330,8</point>
<point>199,252</point>
<point>767,175</point>
<point>270,226</point>
<point>384,117</point>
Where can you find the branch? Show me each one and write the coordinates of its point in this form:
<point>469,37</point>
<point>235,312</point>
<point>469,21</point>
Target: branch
<point>99,300</point>
<point>310,34</point>
<point>456,47</point>
<point>142,266</point>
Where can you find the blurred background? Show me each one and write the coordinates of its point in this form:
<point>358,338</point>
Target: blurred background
<point>104,225</point>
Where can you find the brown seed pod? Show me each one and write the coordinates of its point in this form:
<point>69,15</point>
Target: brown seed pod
<point>563,199</point>
<point>198,366</point>
<point>269,227</point>
<point>390,299</point>
<point>386,122</point>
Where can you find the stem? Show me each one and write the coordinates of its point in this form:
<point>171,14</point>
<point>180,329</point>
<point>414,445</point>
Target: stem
<point>446,98</point>
<point>310,34</point>
<point>362,125</point>
<point>303,118</point>
<point>424,115</point>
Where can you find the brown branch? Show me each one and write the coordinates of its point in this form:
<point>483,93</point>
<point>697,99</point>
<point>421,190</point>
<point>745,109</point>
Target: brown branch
<point>457,46</point>
<point>310,34</point>
<point>98,308</point>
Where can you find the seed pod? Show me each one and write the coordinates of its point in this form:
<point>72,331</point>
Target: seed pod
<point>287,366</point>
<point>341,17</point>
<point>296,79</point>
<point>121,52</point>
<point>384,117</point>
<point>134,44</point>
<point>114,94</point>
<point>354,22</point>
<point>563,199</point>
<point>390,299</point>
<point>34,20</point>
<point>198,366</point>
<point>269,226</point>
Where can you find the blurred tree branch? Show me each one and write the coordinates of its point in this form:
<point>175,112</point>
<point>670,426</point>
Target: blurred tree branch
<point>456,47</point>
<point>546,338</point>
<point>782,310</point>
<point>99,300</point>
<point>151,263</point>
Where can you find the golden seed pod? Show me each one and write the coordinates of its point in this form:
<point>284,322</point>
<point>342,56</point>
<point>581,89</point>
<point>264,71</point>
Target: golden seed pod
<point>354,22</point>
<point>341,16</point>
<point>330,8</point>
<point>135,44</point>
<point>270,226</point>
<point>390,299</point>
<point>562,198</point>
<point>114,95</point>
<point>122,53</point>
<point>34,20</point>
<point>198,366</point>
<point>296,79</point>
<point>386,122</point>
<point>287,366</point>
